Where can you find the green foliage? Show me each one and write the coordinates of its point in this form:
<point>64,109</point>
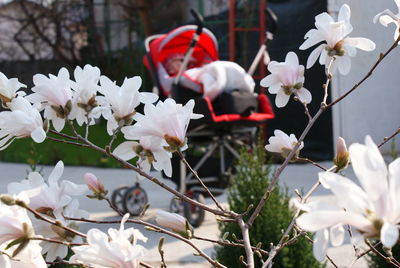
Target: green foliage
<point>375,261</point>
<point>247,187</point>
<point>50,152</point>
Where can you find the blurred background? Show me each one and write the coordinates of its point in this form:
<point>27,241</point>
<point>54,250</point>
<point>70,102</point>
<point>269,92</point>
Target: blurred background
<point>43,35</point>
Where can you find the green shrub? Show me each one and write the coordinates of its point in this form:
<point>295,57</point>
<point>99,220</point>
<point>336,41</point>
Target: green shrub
<point>247,187</point>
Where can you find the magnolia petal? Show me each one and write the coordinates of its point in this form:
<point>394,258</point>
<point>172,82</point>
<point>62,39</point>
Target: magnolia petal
<point>281,99</point>
<point>313,37</point>
<point>125,150</point>
<point>344,64</point>
<point>292,59</point>
<point>318,220</point>
<point>385,20</point>
<point>321,241</point>
<point>304,95</point>
<point>389,234</point>
<point>269,80</point>
<point>369,167</point>
<point>314,55</point>
<point>58,124</point>
<point>397,2</point>
<point>38,135</point>
<point>344,13</point>
<point>349,195</point>
<point>337,235</point>
<point>147,97</point>
<point>360,43</point>
<point>56,173</point>
<point>274,89</point>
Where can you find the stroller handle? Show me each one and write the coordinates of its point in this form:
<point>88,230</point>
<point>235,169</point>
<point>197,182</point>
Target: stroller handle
<point>199,20</point>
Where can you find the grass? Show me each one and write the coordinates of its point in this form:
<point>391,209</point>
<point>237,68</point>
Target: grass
<point>50,152</point>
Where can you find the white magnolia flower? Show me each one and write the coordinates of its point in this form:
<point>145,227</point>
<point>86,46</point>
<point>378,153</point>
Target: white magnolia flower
<point>9,88</point>
<point>85,89</point>
<point>333,235</point>
<point>15,222</point>
<point>336,41</point>
<point>372,209</point>
<point>118,249</point>
<point>29,257</point>
<point>54,250</point>
<point>54,199</point>
<point>286,78</point>
<point>386,17</point>
<point>22,121</point>
<point>123,100</point>
<point>282,143</point>
<point>175,222</point>
<point>55,94</point>
<point>53,195</point>
<point>166,120</point>
<point>150,152</point>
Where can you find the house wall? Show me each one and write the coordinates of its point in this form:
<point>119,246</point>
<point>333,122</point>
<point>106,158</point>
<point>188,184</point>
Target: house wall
<point>374,107</point>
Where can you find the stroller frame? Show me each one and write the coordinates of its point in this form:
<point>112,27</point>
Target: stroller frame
<point>221,140</point>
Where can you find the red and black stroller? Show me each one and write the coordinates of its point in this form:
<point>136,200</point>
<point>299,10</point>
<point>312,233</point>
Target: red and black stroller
<point>230,117</point>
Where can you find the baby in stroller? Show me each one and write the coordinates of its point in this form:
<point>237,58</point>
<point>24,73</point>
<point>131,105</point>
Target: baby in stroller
<point>214,77</point>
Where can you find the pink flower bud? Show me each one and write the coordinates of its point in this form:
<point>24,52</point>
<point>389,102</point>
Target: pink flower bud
<point>94,184</point>
<point>342,155</point>
<point>175,222</point>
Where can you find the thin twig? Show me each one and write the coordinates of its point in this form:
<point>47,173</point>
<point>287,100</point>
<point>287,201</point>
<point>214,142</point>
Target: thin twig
<point>69,244</point>
<point>63,135</point>
<point>114,136</point>
<point>146,265</point>
<point>331,261</point>
<point>390,260</point>
<point>52,222</point>
<point>328,79</point>
<point>68,142</point>
<point>359,256</point>
<point>229,243</point>
<point>306,111</point>
<point>199,180</point>
<point>386,139</point>
<point>311,162</point>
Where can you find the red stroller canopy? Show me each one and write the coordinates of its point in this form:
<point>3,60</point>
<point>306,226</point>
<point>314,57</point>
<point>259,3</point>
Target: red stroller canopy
<point>178,41</point>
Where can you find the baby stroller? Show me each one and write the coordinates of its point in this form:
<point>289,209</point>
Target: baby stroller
<point>229,119</point>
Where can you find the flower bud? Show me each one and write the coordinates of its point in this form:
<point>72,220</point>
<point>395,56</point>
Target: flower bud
<point>342,155</point>
<point>175,222</point>
<point>95,185</point>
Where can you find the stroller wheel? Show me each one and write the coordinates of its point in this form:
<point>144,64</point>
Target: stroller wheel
<point>194,214</point>
<point>176,206</point>
<point>117,198</point>
<point>134,200</point>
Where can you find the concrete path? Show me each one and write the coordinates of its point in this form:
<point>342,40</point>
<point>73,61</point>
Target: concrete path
<point>177,254</point>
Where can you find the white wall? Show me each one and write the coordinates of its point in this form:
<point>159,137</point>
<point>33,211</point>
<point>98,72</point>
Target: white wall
<point>374,108</point>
